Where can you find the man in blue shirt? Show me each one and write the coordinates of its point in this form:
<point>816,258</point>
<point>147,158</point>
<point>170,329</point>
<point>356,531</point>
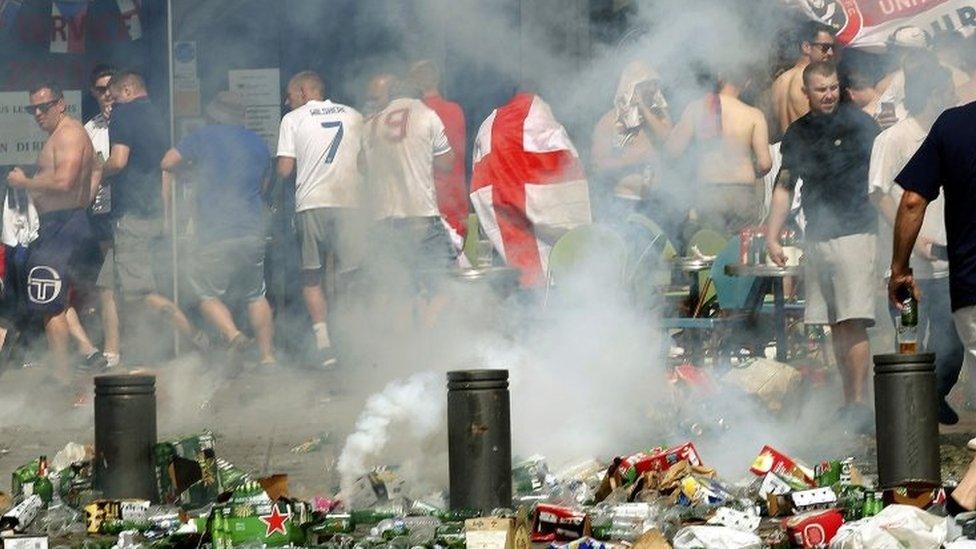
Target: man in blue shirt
<point>137,136</point>
<point>231,167</point>
<point>946,160</point>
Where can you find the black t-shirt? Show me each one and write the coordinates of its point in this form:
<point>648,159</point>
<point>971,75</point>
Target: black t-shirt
<point>947,159</point>
<point>136,189</point>
<point>831,154</point>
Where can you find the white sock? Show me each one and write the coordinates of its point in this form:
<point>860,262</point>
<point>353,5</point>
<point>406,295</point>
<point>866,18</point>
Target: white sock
<point>112,359</point>
<point>321,335</point>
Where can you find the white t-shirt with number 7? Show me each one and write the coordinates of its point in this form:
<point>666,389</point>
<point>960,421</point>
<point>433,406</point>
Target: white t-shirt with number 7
<point>399,146</point>
<point>324,139</point>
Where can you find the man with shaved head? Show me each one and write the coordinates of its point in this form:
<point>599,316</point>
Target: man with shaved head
<point>830,149</point>
<point>319,142</point>
<point>137,143</point>
<point>378,93</point>
<point>452,190</point>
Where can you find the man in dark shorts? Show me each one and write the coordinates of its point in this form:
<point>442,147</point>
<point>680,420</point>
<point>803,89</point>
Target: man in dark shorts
<point>830,149</point>
<point>137,134</point>
<point>231,166</point>
<point>61,191</point>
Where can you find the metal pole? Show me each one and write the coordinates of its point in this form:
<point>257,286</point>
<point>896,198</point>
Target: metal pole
<point>174,196</point>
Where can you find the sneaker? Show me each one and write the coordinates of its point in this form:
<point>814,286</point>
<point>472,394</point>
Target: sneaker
<point>947,416</point>
<point>95,362</point>
<point>113,360</point>
<point>328,360</point>
<point>860,419</point>
<point>971,444</point>
<point>201,341</point>
<point>240,344</point>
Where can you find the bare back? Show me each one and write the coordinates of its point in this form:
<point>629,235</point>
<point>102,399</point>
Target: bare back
<point>744,144</point>
<point>67,156</point>
<point>788,98</point>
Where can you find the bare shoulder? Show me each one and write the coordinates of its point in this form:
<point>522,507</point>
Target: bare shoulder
<point>71,129</point>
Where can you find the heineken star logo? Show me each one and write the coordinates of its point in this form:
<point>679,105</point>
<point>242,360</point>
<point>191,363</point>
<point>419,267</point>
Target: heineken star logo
<point>275,521</point>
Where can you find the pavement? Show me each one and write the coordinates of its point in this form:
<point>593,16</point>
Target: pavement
<point>296,421</point>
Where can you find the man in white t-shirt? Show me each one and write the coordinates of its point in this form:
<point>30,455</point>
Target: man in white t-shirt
<point>319,142</point>
<point>402,146</point>
<point>100,209</point>
<point>928,91</point>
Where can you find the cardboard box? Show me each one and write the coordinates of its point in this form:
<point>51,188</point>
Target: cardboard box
<point>24,542</point>
<point>489,533</point>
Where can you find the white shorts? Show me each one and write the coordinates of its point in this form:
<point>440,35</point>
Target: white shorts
<point>839,276</point>
<point>965,320</point>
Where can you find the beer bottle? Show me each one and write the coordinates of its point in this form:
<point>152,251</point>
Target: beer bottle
<point>868,507</point>
<point>908,325</point>
<point>43,486</point>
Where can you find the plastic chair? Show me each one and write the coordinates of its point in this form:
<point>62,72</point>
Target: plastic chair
<point>595,244</point>
<point>470,248</point>
<point>734,295</point>
<point>651,252</point>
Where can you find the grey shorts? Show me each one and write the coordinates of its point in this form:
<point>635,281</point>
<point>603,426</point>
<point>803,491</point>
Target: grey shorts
<point>233,267</point>
<point>130,265</point>
<point>325,232</point>
<point>840,280</point>
<point>413,244</point>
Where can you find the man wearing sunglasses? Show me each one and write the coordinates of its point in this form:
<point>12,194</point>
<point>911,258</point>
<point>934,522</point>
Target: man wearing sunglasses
<point>789,101</point>
<point>101,209</point>
<point>61,191</point>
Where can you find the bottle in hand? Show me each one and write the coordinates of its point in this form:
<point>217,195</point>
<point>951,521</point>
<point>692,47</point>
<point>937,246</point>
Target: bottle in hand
<point>908,323</point>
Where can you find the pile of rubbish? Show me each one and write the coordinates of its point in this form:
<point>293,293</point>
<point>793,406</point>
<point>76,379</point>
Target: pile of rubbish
<point>661,498</point>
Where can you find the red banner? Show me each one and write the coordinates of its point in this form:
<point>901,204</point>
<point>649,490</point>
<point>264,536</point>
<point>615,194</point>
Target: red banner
<point>869,23</point>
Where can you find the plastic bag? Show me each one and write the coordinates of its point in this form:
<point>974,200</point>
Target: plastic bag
<point>895,527</point>
<point>715,537</point>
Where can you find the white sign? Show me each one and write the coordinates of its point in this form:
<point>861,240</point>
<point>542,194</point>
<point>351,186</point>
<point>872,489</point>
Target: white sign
<point>261,91</point>
<point>20,137</point>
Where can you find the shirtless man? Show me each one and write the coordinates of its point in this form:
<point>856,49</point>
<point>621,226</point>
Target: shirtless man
<point>789,102</point>
<point>731,142</point>
<point>61,191</point>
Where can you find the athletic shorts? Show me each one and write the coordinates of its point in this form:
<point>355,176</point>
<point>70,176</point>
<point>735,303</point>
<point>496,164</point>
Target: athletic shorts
<point>130,264</point>
<point>840,280</point>
<point>232,267</point>
<point>414,250</point>
<point>325,232</point>
<point>53,257</point>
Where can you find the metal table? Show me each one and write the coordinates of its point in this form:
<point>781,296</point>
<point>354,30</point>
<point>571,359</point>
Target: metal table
<point>692,266</point>
<point>773,276</point>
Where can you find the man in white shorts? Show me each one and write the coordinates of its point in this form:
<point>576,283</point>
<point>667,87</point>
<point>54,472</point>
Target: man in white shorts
<point>319,141</point>
<point>830,149</point>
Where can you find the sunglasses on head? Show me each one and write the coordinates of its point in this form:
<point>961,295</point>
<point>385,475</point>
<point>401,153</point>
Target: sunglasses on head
<point>824,46</point>
<point>42,107</point>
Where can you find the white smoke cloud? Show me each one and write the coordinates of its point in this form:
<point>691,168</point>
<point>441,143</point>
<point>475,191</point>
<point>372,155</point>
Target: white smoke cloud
<point>409,411</point>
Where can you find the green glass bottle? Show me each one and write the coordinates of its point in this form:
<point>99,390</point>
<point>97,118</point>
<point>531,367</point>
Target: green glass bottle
<point>43,486</point>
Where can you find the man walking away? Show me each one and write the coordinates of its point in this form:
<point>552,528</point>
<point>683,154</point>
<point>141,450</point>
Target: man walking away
<point>137,135</point>
<point>231,166</point>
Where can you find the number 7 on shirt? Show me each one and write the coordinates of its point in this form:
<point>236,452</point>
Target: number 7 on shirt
<point>334,146</point>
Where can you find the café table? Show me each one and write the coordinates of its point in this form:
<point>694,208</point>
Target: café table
<point>772,278</point>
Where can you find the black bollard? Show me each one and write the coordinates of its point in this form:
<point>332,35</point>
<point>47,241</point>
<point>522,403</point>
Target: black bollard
<point>906,408</point>
<point>125,432</point>
<point>479,436</point>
